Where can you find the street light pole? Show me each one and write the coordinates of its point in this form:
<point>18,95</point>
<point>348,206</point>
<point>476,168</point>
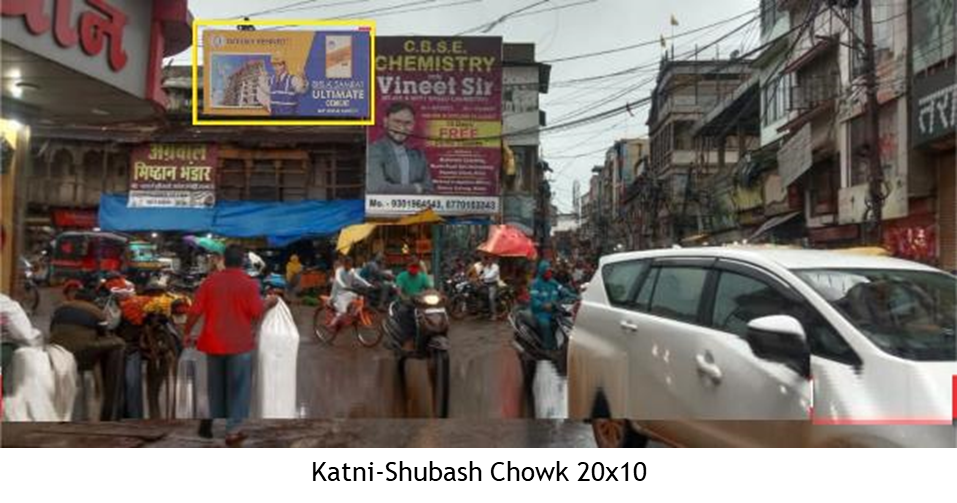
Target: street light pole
<point>876,171</point>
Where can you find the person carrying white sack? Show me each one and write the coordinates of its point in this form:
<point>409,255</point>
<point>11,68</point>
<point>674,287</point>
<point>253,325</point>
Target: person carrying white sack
<point>42,385</point>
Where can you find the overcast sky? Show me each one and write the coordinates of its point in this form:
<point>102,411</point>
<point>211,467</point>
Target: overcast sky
<point>592,26</point>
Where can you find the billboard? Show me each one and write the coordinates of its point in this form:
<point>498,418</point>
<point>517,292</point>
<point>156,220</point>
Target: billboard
<point>168,175</point>
<point>287,74</point>
<point>437,139</point>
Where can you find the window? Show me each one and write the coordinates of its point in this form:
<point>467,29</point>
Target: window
<point>777,96</point>
<point>678,293</point>
<point>909,314</point>
<point>621,280</point>
<point>643,302</point>
<point>740,299</point>
<point>825,180</point>
<point>682,135</point>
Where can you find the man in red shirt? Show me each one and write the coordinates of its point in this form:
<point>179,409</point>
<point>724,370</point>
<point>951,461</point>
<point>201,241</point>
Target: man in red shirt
<point>231,307</point>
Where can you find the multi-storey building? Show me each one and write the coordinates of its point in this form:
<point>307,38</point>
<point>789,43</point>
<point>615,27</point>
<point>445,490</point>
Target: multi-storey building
<point>685,92</point>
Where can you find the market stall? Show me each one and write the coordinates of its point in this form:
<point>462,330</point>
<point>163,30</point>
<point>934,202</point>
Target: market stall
<point>411,235</point>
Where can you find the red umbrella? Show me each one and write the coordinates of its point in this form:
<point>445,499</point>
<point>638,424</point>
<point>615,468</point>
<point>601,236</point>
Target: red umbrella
<point>507,241</point>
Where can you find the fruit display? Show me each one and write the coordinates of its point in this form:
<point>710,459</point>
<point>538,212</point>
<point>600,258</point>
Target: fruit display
<point>133,309</point>
<point>136,308</point>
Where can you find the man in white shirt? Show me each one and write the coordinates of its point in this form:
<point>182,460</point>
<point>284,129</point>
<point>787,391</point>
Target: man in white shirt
<point>490,278</point>
<point>342,295</point>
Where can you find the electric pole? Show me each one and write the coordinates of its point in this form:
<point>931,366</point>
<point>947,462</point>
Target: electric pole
<point>876,171</point>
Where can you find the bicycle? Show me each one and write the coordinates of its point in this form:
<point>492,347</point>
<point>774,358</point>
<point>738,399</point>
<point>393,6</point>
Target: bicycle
<point>363,320</point>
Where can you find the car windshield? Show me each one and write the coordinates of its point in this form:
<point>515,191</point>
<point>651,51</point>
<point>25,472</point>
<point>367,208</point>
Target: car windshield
<point>910,314</point>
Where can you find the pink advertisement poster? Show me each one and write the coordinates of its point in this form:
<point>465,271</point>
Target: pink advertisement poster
<point>437,139</point>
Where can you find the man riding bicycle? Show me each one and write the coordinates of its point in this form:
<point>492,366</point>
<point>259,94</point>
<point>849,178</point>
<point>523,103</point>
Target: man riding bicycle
<point>343,293</point>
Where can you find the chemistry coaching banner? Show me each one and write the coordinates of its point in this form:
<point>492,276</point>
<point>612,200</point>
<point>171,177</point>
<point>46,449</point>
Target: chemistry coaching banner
<point>289,74</point>
<point>437,139</point>
<point>167,175</point>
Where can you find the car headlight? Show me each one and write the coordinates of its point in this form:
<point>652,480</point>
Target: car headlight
<point>431,299</point>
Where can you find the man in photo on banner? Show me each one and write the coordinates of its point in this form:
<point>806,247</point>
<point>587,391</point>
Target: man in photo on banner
<point>284,89</point>
<point>395,167</point>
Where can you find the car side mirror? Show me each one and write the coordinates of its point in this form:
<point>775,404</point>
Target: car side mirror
<point>780,339</point>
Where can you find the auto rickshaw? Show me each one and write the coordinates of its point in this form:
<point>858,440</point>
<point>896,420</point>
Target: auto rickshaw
<point>87,256</point>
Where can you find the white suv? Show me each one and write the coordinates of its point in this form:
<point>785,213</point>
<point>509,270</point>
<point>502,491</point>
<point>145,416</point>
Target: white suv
<point>694,345</point>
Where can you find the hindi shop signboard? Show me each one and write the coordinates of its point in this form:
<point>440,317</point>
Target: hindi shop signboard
<point>287,74</point>
<point>437,142</point>
<point>164,175</point>
<point>934,108</point>
<point>108,40</point>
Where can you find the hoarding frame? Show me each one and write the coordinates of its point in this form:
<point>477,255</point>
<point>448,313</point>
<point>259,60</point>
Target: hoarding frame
<point>283,122</point>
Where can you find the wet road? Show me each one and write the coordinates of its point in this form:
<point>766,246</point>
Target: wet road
<point>307,433</point>
<point>346,380</point>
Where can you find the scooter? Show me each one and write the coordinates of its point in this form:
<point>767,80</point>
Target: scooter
<point>528,343</point>
<point>429,341</point>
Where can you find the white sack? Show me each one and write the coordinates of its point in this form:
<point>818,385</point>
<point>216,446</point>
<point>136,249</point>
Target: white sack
<point>274,384</point>
<point>44,385</point>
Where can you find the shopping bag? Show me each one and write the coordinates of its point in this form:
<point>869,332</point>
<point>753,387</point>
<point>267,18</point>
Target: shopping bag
<point>274,386</point>
<point>550,391</point>
<point>192,399</point>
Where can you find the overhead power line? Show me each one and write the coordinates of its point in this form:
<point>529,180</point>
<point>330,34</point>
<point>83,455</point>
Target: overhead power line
<point>487,27</point>
<point>649,42</point>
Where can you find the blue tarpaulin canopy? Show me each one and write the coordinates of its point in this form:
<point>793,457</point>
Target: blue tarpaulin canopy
<point>280,223</point>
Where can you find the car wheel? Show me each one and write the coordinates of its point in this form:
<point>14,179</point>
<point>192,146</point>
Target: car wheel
<point>610,433</point>
<point>613,432</point>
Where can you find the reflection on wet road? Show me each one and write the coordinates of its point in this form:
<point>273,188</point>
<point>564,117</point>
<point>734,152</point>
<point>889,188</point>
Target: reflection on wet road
<point>346,380</point>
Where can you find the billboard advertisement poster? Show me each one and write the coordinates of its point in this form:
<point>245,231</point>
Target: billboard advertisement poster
<point>437,142</point>
<point>169,175</point>
<point>287,74</point>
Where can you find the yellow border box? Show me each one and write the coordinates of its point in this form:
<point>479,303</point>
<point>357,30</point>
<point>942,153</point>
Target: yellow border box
<point>283,22</point>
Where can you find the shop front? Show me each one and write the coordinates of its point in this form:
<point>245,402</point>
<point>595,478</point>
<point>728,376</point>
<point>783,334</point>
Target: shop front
<point>75,69</point>
<point>933,118</point>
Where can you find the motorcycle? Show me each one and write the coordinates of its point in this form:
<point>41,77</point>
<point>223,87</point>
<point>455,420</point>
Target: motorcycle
<point>528,343</point>
<point>471,299</point>
<point>455,284</point>
<point>429,341</point>
<point>186,283</point>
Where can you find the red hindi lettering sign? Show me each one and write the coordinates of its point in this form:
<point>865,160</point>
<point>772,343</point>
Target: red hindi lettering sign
<point>75,219</point>
<point>171,175</point>
<point>99,25</point>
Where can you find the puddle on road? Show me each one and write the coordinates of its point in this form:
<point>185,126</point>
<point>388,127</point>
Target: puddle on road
<point>347,381</point>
